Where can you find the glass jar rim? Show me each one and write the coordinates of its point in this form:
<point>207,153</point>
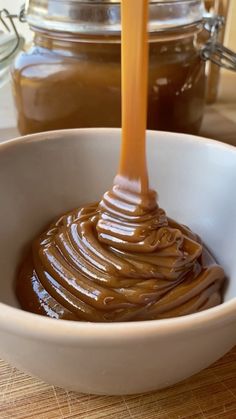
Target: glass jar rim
<point>102,17</point>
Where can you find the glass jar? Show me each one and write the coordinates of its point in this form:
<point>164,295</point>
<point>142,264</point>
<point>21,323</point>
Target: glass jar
<point>70,77</point>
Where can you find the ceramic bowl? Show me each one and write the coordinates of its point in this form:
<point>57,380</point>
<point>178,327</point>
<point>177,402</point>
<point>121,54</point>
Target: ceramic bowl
<point>44,175</point>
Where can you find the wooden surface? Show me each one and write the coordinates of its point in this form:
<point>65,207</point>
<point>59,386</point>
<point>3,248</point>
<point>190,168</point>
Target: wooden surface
<point>210,394</point>
<point>218,126</point>
<point>219,121</point>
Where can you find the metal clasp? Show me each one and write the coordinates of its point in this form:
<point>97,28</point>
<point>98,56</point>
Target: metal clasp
<point>7,21</point>
<point>214,50</point>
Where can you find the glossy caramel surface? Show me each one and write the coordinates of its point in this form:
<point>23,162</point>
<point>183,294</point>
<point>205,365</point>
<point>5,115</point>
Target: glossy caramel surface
<point>72,273</point>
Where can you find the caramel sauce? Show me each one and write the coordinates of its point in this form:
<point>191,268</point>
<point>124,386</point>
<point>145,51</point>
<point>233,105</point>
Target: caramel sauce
<point>87,77</point>
<point>121,259</point>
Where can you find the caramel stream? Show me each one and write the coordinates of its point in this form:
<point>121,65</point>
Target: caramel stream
<point>121,259</point>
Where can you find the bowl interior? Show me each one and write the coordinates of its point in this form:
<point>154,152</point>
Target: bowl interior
<point>46,174</point>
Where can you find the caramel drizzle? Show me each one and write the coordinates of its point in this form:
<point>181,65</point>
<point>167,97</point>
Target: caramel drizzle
<point>129,214</point>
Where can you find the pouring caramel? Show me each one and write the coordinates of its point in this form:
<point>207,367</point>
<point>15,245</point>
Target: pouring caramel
<point>121,259</point>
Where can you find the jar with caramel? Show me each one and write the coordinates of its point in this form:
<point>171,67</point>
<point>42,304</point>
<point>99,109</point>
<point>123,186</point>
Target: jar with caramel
<point>70,76</point>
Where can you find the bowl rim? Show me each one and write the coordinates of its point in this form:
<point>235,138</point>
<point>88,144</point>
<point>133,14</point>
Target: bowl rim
<point>51,135</point>
<point>18,321</point>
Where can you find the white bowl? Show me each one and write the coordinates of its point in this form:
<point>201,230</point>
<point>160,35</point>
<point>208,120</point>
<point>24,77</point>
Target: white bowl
<point>44,175</point>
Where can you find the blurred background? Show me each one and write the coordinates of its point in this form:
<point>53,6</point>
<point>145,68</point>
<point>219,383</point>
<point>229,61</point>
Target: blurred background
<point>221,83</point>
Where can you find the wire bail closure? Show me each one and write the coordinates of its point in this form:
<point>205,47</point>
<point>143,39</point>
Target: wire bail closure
<point>7,21</point>
<point>214,50</point>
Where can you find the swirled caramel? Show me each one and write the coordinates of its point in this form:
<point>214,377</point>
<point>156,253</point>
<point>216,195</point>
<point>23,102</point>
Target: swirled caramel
<point>121,259</point>
<point>91,265</point>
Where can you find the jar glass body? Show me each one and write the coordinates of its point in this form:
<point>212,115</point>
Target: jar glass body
<point>70,82</point>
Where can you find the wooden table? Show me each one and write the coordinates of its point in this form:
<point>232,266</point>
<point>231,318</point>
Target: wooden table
<point>220,119</point>
<point>210,394</point>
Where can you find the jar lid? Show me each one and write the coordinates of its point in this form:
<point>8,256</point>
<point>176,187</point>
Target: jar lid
<point>94,17</point>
